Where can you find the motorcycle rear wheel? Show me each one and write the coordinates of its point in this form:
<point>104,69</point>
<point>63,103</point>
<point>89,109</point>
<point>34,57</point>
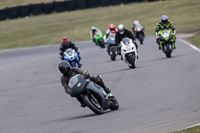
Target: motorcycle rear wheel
<point>94,106</point>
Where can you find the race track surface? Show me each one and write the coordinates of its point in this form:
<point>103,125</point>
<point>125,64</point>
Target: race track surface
<point>159,96</point>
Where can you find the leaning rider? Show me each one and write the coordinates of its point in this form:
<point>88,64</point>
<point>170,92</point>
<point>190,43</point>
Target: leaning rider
<point>69,72</point>
<point>164,24</point>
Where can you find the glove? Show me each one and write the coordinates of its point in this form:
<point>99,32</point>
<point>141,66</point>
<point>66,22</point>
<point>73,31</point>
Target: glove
<point>88,76</point>
<point>157,37</point>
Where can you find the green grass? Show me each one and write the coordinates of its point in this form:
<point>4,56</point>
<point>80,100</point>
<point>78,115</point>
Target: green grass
<point>195,129</point>
<point>50,29</point>
<point>195,39</point>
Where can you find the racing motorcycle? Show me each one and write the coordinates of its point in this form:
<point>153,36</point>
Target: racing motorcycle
<point>139,33</point>
<point>98,37</point>
<point>166,42</point>
<point>71,56</point>
<point>93,96</point>
<point>111,47</point>
<point>128,52</point>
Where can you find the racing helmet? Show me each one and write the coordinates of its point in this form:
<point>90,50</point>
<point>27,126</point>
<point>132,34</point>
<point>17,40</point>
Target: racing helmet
<point>65,39</point>
<point>64,67</point>
<point>164,19</point>
<point>121,29</point>
<point>93,28</point>
<point>136,22</point>
<point>112,28</point>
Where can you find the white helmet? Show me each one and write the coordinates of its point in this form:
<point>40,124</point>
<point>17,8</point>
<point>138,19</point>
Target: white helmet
<point>136,22</point>
<point>121,28</point>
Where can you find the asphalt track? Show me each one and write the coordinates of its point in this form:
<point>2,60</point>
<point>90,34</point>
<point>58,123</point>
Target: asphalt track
<point>159,96</point>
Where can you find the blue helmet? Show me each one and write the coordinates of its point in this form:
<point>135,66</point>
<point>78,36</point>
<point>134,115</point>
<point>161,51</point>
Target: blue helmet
<point>164,19</point>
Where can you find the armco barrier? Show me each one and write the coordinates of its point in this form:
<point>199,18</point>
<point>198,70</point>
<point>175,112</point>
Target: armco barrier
<point>36,9</point>
<point>105,2</point>
<point>48,7</point>
<point>71,5</point>
<point>60,6</point>
<point>24,11</point>
<point>82,4</point>
<point>13,12</point>
<point>3,14</point>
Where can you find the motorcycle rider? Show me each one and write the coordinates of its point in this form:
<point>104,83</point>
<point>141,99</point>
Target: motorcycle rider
<point>68,72</point>
<point>66,43</point>
<point>121,33</point>
<point>111,29</point>
<point>164,24</point>
<point>92,32</point>
<point>135,24</point>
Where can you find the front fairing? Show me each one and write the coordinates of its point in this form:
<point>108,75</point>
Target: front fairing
<point>165,36</point>
<point>127,45</point>
<point>77,84</point>
<point>111,39</point>
<point>98,35</point>
<point>70,54</point>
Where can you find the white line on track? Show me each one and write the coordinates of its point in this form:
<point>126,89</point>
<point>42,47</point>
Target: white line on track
<point>191,45</point>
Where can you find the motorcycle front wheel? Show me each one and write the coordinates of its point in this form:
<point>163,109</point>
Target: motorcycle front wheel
<point>131,60</point>
<point>115,104</point>
<point>112,56</point>
<point>92,103</point>
<point>140,36</point>
<point>168,50</point>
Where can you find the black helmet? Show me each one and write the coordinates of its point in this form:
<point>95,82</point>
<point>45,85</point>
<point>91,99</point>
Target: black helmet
<point>64,67</point>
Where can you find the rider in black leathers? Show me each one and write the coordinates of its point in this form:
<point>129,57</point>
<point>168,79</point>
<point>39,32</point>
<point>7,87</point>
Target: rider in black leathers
<point>121,33</point>
<point>68,72</point>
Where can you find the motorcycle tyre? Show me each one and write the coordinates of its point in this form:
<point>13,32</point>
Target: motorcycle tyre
<point>101,44</point>
<point>140,36</point>
<point>89,104</point>
<point>168,51</point>
<point>113,55</point>
<point>131,61</point>
<point>115,104</point>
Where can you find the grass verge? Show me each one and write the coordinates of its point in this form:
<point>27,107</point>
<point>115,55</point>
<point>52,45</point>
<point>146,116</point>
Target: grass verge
<point>195,39</point>
<point>50,29</point>
<point>195,129</point>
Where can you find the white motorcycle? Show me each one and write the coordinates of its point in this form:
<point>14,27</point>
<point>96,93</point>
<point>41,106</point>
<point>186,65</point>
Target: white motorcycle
<point>128,52</point>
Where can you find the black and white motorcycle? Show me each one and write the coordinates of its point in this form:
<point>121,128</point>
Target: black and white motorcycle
<point>128,52</point>
<point>93,96</point>
<point>111,47</point>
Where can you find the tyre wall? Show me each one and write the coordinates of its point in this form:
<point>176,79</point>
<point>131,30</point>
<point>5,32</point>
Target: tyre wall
<point>58,6</point>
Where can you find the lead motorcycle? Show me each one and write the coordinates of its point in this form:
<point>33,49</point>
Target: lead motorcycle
<point>166,42</point>
<point>128,52</point>
<point>93,96</point>
<point>71,56</point>
<point>111,46</point>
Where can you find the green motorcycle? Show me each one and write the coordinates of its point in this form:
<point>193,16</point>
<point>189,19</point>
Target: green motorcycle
<point>166,42</point>
<point>98,36</point>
